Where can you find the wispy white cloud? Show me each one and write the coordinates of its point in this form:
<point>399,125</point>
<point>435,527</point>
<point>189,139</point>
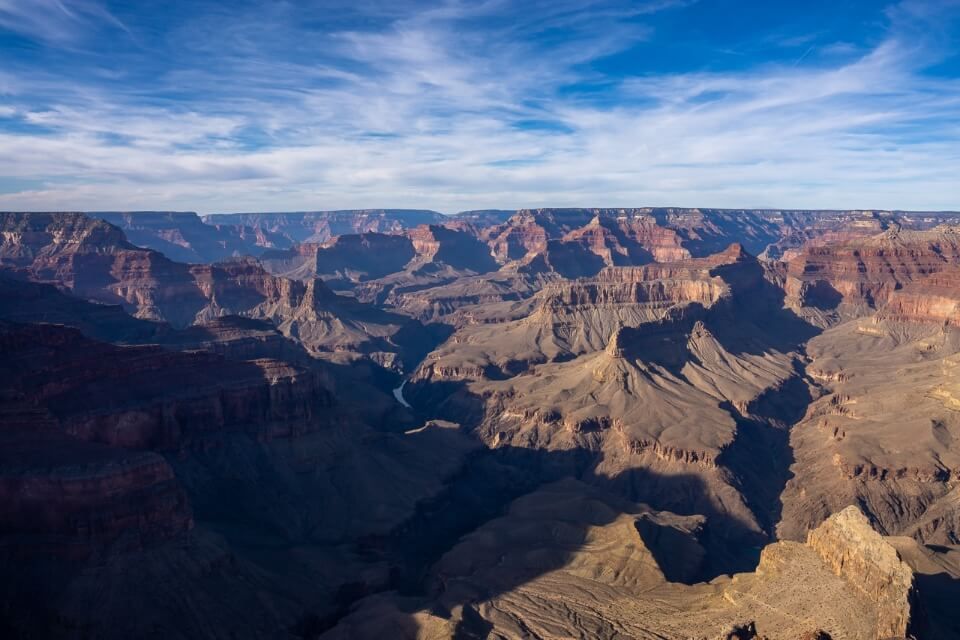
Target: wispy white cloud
<point>55,21</point>
<point>459,106</point>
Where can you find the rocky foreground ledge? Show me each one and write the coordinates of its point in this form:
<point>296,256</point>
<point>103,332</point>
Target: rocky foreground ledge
<point>618,570</point>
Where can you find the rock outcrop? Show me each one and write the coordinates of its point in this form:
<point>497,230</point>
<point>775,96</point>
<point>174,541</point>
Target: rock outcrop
<point>460,250</point>
<point>605,570</point>
<point>933,298</point>
<point>855,552</point>
<point>573,317</point>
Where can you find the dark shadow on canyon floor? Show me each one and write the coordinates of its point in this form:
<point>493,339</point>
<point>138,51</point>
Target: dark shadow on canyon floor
<point>493,479</point>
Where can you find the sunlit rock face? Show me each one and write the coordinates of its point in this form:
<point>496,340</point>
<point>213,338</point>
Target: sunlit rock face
<point>867,272</point>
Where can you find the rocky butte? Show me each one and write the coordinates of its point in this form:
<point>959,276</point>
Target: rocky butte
<point>544,423</point>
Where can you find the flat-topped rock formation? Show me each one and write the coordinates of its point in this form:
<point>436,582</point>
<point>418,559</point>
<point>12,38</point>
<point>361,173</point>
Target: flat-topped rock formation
<point>349,257</point>
<point>572,317</point>
<point>455,299</point>
<point>828,230</point>
<point>654,287</point>
<point>459,250</point>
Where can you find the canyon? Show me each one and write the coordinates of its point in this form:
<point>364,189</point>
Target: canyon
<point>543,423</point>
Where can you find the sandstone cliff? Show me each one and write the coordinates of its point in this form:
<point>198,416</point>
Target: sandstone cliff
<point>572,317</point>
<point>931,298</point>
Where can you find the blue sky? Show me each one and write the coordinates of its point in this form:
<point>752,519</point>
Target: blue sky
<point>272,105</point>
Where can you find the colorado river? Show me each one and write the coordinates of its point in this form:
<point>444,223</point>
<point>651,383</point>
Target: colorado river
<point>398,394</point>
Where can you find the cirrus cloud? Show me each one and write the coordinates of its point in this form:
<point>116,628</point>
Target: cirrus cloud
<point>453,105</point>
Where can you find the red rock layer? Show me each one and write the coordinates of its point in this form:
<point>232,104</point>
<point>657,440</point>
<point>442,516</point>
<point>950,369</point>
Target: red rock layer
<point>662,243</point>
<point>629,236</point>
<point>69,498</point>
<point>933,298</point>
<point>456,248</point>
<point>654,292</point>
<point>602,241</point>
<point>518,237</point>
<point>869,271</point>
<point>149,398</point>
